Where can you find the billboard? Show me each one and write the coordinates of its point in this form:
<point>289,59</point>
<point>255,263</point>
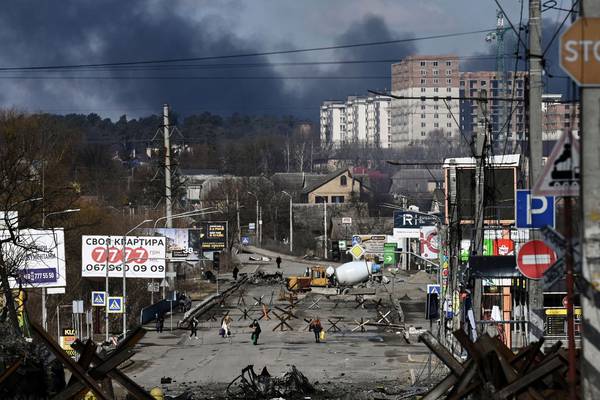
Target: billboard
<point>413,220</point>
<point>182,243</point>
<point>214,236</point>
<point>144,256</point>
<point>430,243</point>
<point>40,255</point>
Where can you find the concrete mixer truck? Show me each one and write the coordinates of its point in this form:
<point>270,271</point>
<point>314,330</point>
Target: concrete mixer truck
<point>348,274</point>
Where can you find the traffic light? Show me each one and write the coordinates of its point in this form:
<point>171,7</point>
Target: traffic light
<point>216,260</point>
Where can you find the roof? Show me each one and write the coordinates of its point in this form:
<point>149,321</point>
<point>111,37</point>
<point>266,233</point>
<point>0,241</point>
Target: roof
<point>507,160</point>
<point>295,181</point>
<point>325,179</point>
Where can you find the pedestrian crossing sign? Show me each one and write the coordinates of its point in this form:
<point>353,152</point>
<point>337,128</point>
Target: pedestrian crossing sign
<point>115,304</point>
<point>98,299</point>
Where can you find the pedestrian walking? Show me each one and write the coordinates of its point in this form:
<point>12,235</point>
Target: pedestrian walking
<point>157,323</point>
<point>316,327</point>
<point>161,323</point>
<point>235,272</point>
<point>278,261</point>
<point>226,325</point>
<point>194,328</point>
<point>255,332</point>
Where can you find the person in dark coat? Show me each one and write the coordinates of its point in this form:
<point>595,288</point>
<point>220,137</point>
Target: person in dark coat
<point>316,327</point>
<point>278,261</point>
<point>255,332</point>
<point>235,272</point>
<point>161,323</point>
<point>194,328</point>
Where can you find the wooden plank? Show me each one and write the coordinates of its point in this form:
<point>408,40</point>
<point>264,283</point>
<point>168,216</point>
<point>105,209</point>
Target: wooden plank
<point>68,362</point>
<point>85,358</point>
<point>133,388</point>
<point>9,371</point>
<point>442,353</point>
<point>439,390</point>
<point>525,381</point>
<point>465,383</point>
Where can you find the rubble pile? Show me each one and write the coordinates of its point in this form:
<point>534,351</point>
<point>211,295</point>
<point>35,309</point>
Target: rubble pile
<point>264,278</point>
<point>249,385</point>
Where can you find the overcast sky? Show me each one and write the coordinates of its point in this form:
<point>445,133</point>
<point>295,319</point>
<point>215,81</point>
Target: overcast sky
<point>45,33</point>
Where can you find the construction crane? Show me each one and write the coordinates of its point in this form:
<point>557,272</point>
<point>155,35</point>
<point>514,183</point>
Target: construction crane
<point>499,134</point>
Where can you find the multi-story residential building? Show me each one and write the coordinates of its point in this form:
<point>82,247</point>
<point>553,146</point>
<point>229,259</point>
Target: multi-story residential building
<point>359,120</point>
<point>500,106</point>
<point>420,118</point>
<point>558,117</point>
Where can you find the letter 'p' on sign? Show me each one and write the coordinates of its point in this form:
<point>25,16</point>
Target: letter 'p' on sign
<point>534,212</point>
<point>580,51</point>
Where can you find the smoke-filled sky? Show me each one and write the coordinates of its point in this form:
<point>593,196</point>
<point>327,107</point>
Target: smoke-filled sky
<point>46,33</point>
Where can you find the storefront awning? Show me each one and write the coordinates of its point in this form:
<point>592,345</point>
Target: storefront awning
<point>493,267</point>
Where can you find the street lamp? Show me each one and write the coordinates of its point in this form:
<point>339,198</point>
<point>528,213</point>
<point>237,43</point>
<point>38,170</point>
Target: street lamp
<point>124,265</point>
<point>258,240</point>
<point>186,214</point>
<point>291,222</point>
<point>44,311</point>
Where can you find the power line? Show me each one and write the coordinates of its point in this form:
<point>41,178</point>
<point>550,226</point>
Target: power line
<point>241,55</point>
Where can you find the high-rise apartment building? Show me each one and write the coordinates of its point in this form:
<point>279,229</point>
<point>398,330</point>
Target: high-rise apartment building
<point>420,119</point>
<point>358,120</point>
<point>558,117</point>
<point>506,111</point>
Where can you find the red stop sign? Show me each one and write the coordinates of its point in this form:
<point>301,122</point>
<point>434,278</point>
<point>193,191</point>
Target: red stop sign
<point>535,257</point>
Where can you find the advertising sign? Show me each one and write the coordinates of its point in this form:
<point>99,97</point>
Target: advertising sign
<point>9,219</point>
<point>411,219</point>
<point>181,242</point>
<point>430,242</point>
<point>214,236</point>
<point>67,338</point>
<point>144,256</point>
<point>372,244</point>
<point>40,255</point>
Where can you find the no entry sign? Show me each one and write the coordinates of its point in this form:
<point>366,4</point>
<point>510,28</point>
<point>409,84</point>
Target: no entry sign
<point>535,257</point>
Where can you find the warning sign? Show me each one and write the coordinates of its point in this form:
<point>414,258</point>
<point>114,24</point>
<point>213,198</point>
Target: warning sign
<point>561,176</point>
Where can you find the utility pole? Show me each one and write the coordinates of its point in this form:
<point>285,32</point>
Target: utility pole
<point>237,209</point>
<point>481,144</point>
<point>590,178</point>
<point>536,294</point>
<point>325,230</point>
<point>168,200</point>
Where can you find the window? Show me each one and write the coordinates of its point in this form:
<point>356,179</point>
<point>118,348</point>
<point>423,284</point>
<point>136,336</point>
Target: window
<point>320,199</point>
<point>343,181</point>
<point>436,107</point>
<point>337,199</point>
<point>435,63</point>
<point>422,90</point>
<point>436,125</point>
<point>422,133</point>
<point>423,72</point>
<point>449,81</point>
<point>448,90</point>
<point>436,90</point>
<point>449,124</point>
<point>462,83</point>
<point>422,115</point>
<point>448,72</point>
<point>423,107</point>
<point>482,83</point>
<point>436,80</point>
<point>435,115</point>
<point>423,125</point>
<point>436,72</point>
<point>423,81</point>
<point>448,115</point>
<point>448,63</point>
<point>422,63</point>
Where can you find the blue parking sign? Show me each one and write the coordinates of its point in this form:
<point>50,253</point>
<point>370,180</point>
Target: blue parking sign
<point>534,212</point>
